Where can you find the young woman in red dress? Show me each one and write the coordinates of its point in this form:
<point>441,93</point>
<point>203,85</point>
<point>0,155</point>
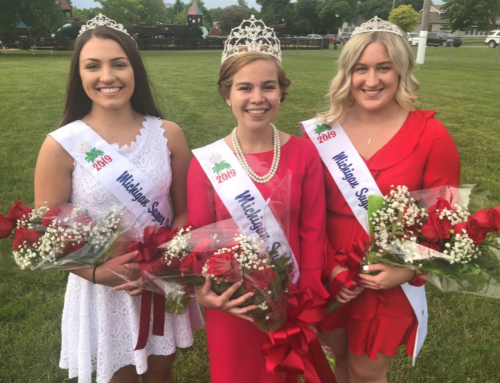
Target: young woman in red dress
<point>254,84</point>
<point>372,99</point>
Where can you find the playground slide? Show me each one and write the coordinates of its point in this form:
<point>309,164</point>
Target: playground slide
<point>68,31</point>
<point>203,31</point>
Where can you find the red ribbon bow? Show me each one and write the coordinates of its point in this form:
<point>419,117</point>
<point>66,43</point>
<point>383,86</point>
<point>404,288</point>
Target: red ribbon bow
<point>295,349</point>
<point>147,254</point>
<point>350,278</point>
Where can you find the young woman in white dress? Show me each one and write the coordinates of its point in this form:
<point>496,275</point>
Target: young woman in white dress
<point>108,90</point>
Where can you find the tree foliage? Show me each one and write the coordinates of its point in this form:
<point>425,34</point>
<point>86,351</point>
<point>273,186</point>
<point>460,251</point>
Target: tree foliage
<point>463,14</point>
<point>405,17</point>
<point>153,11</point>
<point>232,16</point>
<point>126,12</point>
<point>43,15</point>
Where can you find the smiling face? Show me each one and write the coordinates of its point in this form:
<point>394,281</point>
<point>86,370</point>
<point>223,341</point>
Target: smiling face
<point>106,73</point>
<point>255,94</point>
<point>374,80</point>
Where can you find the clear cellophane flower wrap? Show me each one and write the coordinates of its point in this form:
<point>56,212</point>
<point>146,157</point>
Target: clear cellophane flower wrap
<point>61,237</point>
<point>223,253</point>
<point>434,231</point>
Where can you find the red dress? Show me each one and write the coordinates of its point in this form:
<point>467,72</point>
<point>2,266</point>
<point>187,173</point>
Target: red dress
<point>234,344</point>
<point>421,155</point>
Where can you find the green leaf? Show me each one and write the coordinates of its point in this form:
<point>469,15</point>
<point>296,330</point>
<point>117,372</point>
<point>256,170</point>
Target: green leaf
<point>375,203</point>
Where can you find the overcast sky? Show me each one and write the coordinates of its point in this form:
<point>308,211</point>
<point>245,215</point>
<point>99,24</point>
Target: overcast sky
<point>208,3</point>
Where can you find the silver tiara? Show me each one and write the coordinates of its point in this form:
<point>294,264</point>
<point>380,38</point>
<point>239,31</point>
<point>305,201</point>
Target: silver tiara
<point>252,36</point>
<point>378,25</point>
<point>102,21</point>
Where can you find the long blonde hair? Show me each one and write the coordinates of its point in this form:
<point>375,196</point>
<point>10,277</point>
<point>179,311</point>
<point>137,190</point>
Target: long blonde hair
<point>401,56</point>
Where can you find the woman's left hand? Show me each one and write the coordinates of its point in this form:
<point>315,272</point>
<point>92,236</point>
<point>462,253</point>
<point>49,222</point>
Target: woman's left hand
<point>387,278</point>
<point>132,288</point>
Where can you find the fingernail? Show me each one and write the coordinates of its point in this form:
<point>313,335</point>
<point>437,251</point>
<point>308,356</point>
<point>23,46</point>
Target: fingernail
<point>366,268</point>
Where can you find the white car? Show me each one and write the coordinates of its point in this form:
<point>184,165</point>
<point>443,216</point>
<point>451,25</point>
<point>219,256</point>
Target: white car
<point>315,37</point>
<point>493,39</point>
<point>413,38</point>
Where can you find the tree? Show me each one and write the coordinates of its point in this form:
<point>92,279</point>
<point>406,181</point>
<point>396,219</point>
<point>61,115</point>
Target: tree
<point>181,18</point>
<point>153,11</point>
<point>307,9</point>
<point>370,8</point>
<point>126,12</point>
<point>272,11</point>
<point>230,17</point>
<point>405,17</point>
<point>42,15</point>
<point>86,13</point>
<point>463,14</point>
<point>328,12</point>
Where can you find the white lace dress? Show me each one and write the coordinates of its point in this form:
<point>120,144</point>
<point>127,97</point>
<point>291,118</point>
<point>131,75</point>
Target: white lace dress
<point>100,326</point>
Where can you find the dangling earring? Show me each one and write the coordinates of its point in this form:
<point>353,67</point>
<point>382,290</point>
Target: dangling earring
<point>228,104</point>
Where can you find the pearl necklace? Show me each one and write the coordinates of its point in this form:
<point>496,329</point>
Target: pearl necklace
<point>276,157</point>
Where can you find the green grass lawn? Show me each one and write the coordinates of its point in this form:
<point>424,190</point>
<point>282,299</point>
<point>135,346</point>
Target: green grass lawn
<point>463,343</point>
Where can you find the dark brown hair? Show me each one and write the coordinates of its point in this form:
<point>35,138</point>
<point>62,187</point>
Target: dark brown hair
<point>232,65</point>
<point>78,104</point>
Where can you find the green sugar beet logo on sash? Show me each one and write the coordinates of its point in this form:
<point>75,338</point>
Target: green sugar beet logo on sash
<point>222,168</point>
<point>92,155</point>
<point>324,133</point>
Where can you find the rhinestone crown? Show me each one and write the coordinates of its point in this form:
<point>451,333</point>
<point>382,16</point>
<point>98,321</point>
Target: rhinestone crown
<point>102,21</point>
<point>252,36</point>
<point>378,25</point>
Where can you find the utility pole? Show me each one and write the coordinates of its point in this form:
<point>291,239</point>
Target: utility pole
<point>424,26</point>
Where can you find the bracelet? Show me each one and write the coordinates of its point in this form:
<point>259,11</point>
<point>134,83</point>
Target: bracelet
<point>93,273</point>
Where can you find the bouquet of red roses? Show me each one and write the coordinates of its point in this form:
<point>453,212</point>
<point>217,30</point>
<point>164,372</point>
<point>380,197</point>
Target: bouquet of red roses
<point>59,237</point>
<point>439,236</point>
<point>221,252</point>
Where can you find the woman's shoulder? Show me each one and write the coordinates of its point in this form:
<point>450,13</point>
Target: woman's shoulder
<point>427,121</point>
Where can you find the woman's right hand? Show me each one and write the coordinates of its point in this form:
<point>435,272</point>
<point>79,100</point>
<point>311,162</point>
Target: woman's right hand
<point>206,297</point>
<point>344,295</point>
<point>116,270</point>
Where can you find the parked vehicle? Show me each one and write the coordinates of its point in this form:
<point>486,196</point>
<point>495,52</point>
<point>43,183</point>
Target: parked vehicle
<point>314,37</point>
<point>493,39</point>
<point>443,39</point>
<point>332,38</point>
<point>413,38</point>
<point>344,37</point>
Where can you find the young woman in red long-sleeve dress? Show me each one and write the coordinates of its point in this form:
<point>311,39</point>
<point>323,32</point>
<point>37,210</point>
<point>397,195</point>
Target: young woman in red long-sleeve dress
<point>253,84</point>
<point>372,102</point>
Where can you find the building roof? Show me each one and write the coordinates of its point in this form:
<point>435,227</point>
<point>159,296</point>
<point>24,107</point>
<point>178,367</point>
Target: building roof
<point>436,15</point>
<point>194,9</point>
<point>64,5</point>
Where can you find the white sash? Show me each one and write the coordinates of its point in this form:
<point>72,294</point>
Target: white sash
<point>123,179</point>
<point>241,197</point>
<point>356,183</point>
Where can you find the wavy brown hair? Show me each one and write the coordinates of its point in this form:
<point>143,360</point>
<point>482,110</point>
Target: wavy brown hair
<point>78,104</point>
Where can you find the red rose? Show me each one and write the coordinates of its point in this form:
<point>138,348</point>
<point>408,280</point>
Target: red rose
<point>482,219</point>
<point>435,229</point>
<point>84,220</point>
<point>18,211</point>
<point>6,227</point>
<point>476,231</point>
<point>263,278</point>
<point>459,228</point>
<point>51,215</point>
<point>439,205</point>
<point>224,267</point>
<point>25,235</point>
<point>494,215</point>
<point>175,263</point>
<point>57,213</point>
<point>68,245</point>
<point>193,263</point>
